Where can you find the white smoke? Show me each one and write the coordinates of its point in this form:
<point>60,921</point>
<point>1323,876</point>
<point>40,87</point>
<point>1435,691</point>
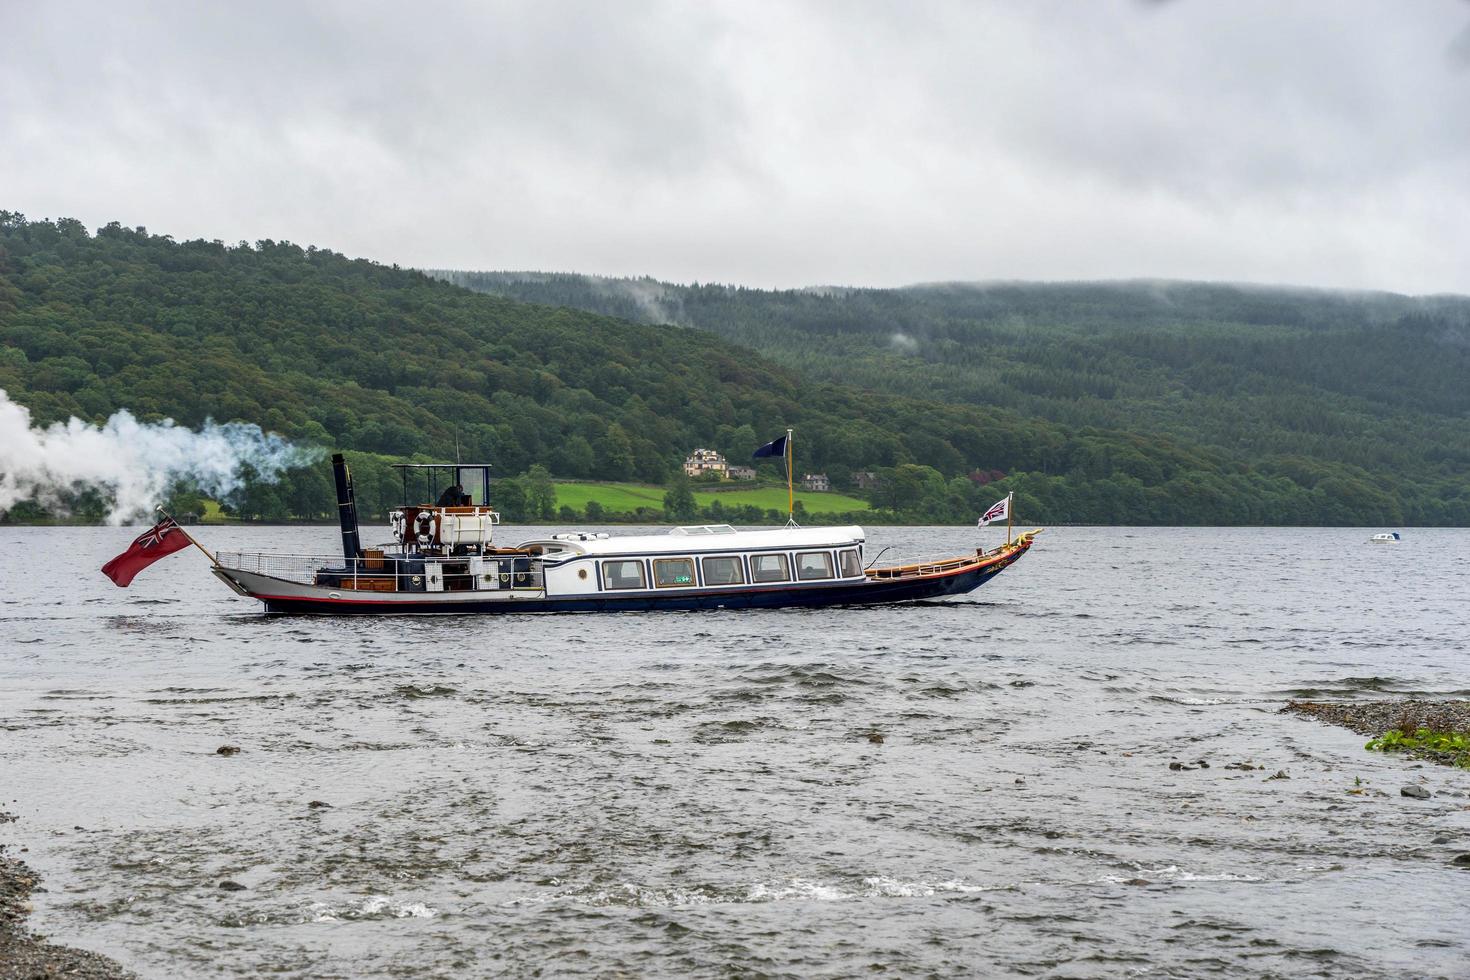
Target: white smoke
<point>131,462</point>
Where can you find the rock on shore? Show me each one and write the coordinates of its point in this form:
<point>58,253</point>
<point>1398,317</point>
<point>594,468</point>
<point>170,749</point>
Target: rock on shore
<point>26,956</point>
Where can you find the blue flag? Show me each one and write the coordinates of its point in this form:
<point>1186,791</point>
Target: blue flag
<point>777,448</point>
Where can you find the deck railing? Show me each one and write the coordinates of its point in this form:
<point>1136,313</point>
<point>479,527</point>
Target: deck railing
<point>909,567</point>
<point>404,574</point>
<point>292,568</point>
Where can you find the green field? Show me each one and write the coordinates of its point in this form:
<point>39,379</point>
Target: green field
<point>774,498</point>
<point>624,497</point>
<point>621,497</point>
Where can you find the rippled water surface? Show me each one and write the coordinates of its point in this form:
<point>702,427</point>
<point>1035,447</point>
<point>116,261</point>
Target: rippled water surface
<point>978,786</point>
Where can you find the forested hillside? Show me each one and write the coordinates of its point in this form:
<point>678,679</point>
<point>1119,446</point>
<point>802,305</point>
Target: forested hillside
<point>352,354</point>
<point>1290,381</point>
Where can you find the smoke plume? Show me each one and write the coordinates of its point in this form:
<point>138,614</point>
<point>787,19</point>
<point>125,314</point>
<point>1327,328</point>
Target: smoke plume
<point>132,463</point>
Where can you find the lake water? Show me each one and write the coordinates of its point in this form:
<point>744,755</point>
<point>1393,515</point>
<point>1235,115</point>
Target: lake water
<point>697,793</point>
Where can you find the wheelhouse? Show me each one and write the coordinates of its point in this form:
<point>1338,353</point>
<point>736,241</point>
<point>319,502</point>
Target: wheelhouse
<point>445,509</point>
<point>432,483</point>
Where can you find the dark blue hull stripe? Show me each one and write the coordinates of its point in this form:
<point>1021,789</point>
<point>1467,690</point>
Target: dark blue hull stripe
<point>857,594</point>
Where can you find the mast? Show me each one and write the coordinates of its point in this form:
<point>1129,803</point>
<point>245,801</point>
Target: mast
<point>1010,506</point>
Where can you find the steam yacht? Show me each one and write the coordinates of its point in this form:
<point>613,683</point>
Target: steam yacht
<point>443,559</point>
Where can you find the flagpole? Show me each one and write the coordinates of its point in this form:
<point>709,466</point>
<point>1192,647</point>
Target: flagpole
<point>790,475</point>
<point>186,534</point>
<point>1010,506</point>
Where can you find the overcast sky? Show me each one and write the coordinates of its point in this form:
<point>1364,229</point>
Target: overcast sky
<point>771,144</point>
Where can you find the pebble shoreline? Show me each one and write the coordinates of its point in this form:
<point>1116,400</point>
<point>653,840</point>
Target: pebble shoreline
<point>27,956</point>
<point>1373,718</point>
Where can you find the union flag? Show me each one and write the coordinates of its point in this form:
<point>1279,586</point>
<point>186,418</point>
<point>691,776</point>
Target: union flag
<point>1000,511</point>
<point>159,541</point>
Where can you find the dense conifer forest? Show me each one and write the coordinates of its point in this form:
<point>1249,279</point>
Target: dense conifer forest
<point>1291,410</point>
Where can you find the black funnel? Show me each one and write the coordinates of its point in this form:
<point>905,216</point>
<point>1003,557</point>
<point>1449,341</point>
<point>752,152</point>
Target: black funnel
<point>346,509</point>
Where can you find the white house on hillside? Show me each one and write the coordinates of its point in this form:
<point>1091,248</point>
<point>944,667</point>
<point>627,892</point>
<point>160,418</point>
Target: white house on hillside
<point>703,461</point>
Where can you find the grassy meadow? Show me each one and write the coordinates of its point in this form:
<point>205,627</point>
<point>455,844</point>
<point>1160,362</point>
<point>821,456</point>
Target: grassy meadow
<point>627,497</point>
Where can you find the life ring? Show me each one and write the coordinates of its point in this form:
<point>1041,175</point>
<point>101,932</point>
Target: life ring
<point>426,527</point>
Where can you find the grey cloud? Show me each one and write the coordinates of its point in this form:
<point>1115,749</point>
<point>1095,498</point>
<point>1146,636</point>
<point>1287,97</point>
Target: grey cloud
<point>772,144</point>
<point>1459,49</point>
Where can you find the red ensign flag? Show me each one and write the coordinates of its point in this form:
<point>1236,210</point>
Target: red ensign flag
<point>164,538</point>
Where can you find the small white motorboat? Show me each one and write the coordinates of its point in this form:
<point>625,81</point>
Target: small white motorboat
<point>1387,537</point>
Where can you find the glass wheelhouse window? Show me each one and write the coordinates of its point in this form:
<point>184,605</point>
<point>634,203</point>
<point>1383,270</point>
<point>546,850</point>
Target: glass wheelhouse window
<point>671,573</point>
<point>723,571</point>
<point>769,568</point>
<point>851,567</point>
<point>813,564</point>
<point>623,575</point>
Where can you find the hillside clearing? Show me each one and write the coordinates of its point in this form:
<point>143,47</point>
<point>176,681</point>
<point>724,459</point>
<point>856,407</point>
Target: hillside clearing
<point>625,497</point>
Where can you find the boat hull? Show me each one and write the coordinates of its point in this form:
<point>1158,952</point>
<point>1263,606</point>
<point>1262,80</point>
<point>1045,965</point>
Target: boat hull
<point>292,598</point>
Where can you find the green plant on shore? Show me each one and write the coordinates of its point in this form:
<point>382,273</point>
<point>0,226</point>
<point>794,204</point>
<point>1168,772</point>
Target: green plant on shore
<point>1441,742</point>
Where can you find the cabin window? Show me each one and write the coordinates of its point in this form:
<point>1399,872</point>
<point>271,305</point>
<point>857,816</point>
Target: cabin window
<point>623,574</point>
<point>813,564</point>
<point>669,573</point>
<point>851,567</point>
<point>723,571</point>
<point>769,568</point>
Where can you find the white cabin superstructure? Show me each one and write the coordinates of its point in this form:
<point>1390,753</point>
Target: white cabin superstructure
<point>713,556</point>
